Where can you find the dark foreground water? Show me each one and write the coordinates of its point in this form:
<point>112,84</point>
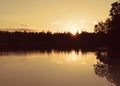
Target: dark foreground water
<point>56,68</point>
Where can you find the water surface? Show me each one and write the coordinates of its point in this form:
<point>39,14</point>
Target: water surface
<point>52,68</point>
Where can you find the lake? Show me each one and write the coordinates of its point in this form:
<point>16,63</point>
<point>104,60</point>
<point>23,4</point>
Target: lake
<point>55,68</point>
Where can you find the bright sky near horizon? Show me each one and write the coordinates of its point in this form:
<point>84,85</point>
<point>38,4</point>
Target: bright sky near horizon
<point>53,15</point>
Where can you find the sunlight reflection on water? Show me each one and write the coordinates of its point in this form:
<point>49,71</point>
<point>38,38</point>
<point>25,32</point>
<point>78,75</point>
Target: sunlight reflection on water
<point>49,69</point>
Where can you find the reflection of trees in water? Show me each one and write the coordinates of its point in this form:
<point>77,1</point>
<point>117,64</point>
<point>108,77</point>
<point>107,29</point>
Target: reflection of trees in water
<point>108,66</point>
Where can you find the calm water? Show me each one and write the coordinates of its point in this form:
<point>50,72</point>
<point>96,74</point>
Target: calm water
<point>52,69</point>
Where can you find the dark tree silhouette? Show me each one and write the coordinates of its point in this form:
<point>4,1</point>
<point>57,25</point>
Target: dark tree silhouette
<point>38,40</point>
<point>112,24</point>
<point>115,16</point>
<point>100,27</point>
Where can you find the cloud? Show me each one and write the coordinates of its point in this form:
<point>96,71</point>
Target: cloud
<point>24,25</point>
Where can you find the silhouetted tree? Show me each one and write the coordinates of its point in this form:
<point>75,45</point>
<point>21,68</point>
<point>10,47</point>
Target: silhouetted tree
<point>112,24</point>
<point>115,16</point>
<point>100,27</point>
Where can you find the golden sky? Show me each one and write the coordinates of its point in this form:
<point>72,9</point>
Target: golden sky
<point>53,15</point>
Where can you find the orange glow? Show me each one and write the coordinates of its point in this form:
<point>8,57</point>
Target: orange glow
<point>39,14</point>
<point>73,28</point>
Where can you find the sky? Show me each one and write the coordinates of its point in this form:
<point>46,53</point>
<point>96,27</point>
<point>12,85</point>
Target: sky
<point>53,15</point>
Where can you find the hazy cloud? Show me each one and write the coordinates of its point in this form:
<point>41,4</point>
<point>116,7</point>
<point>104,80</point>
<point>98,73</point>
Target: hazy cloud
<point>24,25</point>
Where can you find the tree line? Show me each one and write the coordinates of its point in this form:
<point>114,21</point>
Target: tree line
<point>49,40</point>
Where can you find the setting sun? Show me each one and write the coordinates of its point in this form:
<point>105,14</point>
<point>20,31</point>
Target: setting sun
<point>73,28</point>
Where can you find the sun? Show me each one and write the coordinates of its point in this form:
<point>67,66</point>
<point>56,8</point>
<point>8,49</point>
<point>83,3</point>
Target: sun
<point>73,28</point>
